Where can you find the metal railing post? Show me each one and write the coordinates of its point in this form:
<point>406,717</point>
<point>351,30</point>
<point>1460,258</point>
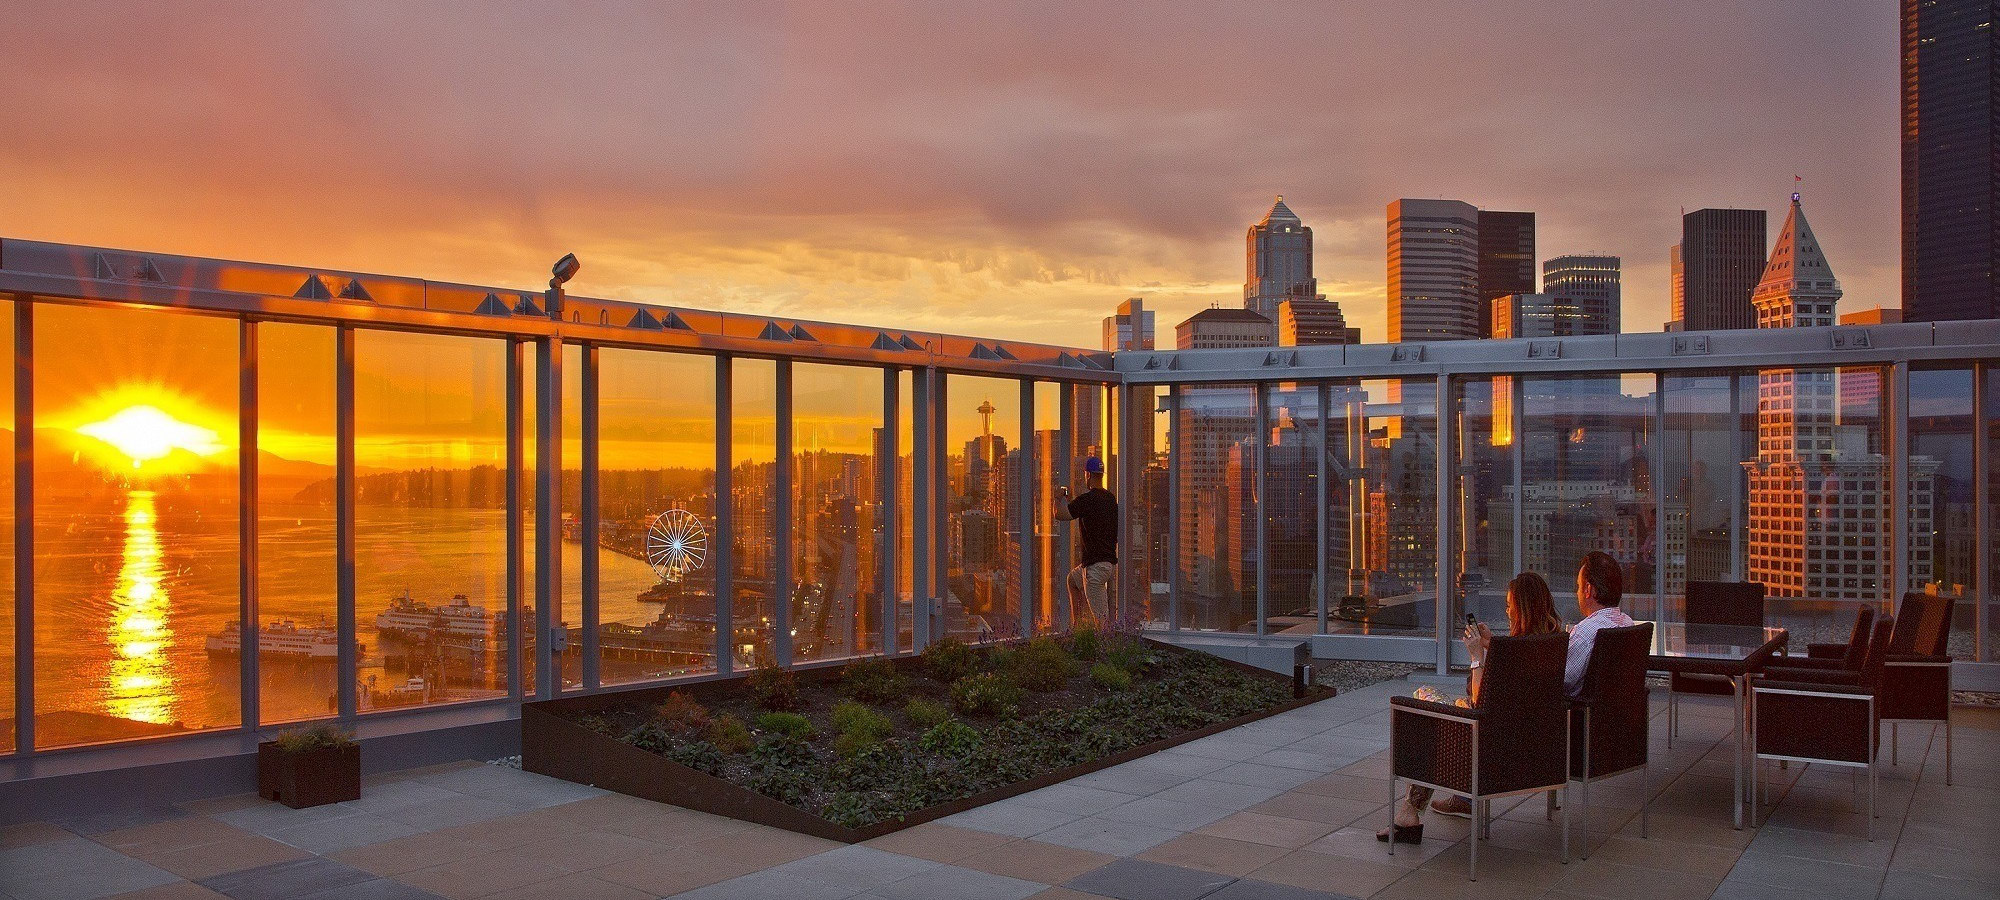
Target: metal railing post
<point>725,516</point>
<point>1443,576</point>
<point>24,535</point>
<point>516,522</point>
<point>548,518</point>
<point>1982,511</point>
<point>781,575</point>
<point>347,702</point>
<point>1173,541</point>
<point>1899,482</point>
<point>1322,515</point>
<point>248,631</point>
<point>1261,449</point>
<point>590,519</point>
<point>889,524</point>
<point>920,508</point>
<point>1026,508</point>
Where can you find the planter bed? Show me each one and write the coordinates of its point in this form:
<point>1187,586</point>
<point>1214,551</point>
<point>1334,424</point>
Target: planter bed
<point>890,762</point>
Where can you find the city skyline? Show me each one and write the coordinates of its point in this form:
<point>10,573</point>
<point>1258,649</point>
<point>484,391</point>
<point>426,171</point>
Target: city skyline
<point>745,197</point>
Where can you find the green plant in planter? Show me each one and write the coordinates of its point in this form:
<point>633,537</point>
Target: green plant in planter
<point>730,735</point>
<point>1111,677</point>
<point>1129,655</point>
<point>850,808</point>
<point>924,713</point>
<point>1042,665</point>
<point>700,756</point>
<point>774,688</point>
<point>313,737</point>
<point>949,660</point>
<point>1085,644</point>
<point>874,681</point>
<point>682,714</point>
<point>985,694</point>
<point>952,738</point>
<point>787,725</point>
<point>859,728</point>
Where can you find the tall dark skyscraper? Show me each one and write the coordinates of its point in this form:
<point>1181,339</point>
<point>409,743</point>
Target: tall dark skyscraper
<point>1278,262</point>
<point>1951,164</point>
<point>1433,271</point>
<point>1506,260</point>
<point>1592,284</point>
<point>1722,259</point>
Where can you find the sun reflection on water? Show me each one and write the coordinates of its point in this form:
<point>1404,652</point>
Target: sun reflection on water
<point>139,688</point>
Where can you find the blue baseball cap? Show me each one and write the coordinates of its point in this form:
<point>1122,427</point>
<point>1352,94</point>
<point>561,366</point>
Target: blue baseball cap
<point>1093,465</point>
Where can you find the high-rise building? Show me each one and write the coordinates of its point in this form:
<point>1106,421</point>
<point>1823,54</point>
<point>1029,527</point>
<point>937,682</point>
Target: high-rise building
<point>1722,257</point>
<point>1951,165</point>
<point>1217,328</point>
<point>1433,271</point>
<point>1819,493</point>
<point>1592,285</point>
<point>1676,289</point>
<point>1541,316</point>
<point>1130,328</point>
<point>1278,262</point>
<point>1506,260</point>
<point>1305,323</point>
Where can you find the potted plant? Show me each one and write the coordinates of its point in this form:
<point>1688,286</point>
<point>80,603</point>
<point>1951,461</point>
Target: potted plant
<point>309,767</point>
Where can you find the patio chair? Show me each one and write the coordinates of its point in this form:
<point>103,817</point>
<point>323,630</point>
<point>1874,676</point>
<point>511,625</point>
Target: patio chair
<point>1842,656</point>
<point>1916,684</point>
<point>1609,719</point>
<point>1712,603</point>
<point>1828,716</point>
<point>1916,675</point>
<point>1513,743</point>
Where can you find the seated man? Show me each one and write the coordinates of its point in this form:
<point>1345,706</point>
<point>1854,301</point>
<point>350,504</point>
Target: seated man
<point>1600,584</point>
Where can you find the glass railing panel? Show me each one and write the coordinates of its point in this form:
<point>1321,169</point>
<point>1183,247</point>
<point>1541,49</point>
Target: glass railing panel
<point>982,446</point>
<point>754,510</point>
<point>1483,500</point>
<point>136,523</point>
<point>838,443</point>
<point>656,536</point>
<point>298,597</point>
<point>1587,484</point>
<point>1941,534</point>
<point>1218,507</point>
<point>430,518</point>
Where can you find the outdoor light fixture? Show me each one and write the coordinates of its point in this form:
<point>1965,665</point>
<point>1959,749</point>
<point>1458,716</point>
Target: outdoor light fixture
<point>559,274</point>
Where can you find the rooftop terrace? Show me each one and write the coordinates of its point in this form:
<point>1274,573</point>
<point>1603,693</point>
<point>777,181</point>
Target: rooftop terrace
<point>628,495</point>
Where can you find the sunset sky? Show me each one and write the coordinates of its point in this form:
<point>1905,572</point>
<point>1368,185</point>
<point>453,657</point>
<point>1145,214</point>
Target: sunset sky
<point>1003,169</point>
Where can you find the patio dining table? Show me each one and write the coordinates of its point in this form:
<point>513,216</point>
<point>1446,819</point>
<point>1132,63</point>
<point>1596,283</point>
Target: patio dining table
<point>1735,652</point>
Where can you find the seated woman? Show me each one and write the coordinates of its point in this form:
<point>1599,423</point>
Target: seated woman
<point>1530,610</point>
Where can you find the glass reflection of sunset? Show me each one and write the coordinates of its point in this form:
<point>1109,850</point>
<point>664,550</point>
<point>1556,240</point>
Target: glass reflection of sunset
<point>141,434</point>
<point>146,433</point>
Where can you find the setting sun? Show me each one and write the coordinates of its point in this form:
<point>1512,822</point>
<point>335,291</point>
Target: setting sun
<point>146,433</point>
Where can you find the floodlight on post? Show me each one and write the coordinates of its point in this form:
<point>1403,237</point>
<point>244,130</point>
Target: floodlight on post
<point>559,274</point>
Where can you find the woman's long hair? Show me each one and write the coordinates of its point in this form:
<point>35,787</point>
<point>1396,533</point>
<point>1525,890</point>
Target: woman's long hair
<point>1531,609</point>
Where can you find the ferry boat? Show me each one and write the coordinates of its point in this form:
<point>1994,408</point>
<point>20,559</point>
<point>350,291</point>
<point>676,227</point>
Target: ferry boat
<point>410,618</point>
<point>282,638</point>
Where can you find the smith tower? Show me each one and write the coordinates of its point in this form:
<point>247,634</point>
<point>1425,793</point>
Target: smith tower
<point>1818,492</point>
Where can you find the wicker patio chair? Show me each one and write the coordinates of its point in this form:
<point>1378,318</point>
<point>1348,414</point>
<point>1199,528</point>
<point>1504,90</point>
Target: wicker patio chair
<point>1609,719</point>
<point>1514,742</point>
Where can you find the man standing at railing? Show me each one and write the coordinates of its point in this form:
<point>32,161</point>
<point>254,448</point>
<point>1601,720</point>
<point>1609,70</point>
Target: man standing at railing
<point>1097,512</point>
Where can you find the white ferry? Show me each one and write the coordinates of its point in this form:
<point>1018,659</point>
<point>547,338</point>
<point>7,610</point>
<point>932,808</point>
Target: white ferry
<point>415,619</point>
<point>282,638</point>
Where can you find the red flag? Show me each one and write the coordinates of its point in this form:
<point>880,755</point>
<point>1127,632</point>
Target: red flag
<point>1797,178</point>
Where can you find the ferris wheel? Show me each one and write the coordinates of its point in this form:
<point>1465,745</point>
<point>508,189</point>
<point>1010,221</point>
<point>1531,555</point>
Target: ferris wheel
<point>676,544</point>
